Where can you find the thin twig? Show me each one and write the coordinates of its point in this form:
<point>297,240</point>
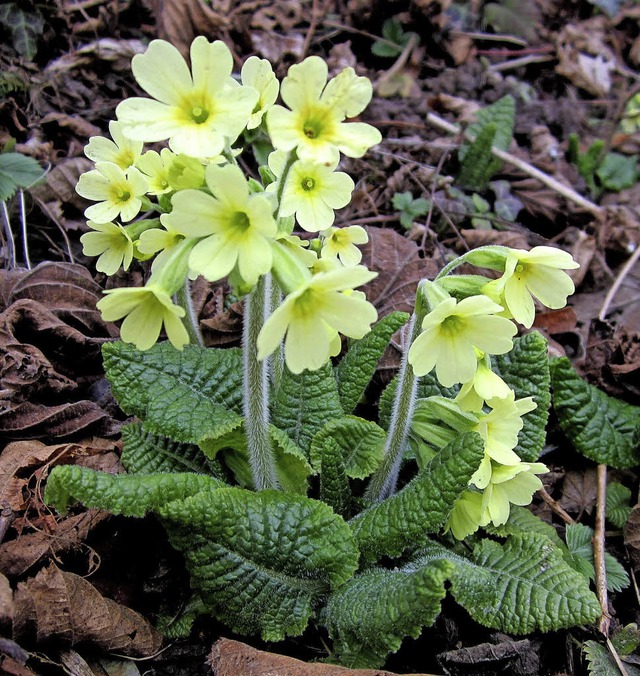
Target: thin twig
<point>313,24</point>
<point>520,62</point>
<point>532,171</point>
<point>400,62</point>
<point>555,506</point>
<point>626,269</point>
<point>6,517</point>
<point>490,37</point>
<point>598,551</point>
<point>11,243</point>
<point>23,225</point>
<point>616,658</point>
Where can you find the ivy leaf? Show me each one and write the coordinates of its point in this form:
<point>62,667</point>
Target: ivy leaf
<point>370,615</point>
<point>602,428</point>
<point>189,395</point>
<point>526,370</point>
<point>304,403</point>
<point>17,171</point>
<point>617,172</point>
<point>261,562</point>
<point>361,443</point>
<point>520,586</point>
<point>423,505</point>
<point>129,495</point>
<point>292,466</point>
<point>146,453</point>
<point>25,28</point>
<point>355,370</point>
<point>580,555</point>
<point>618,504</point>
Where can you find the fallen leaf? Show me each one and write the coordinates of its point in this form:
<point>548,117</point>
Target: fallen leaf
<point>519,658</point>
<point>579,491</point>
<point>632,537</point>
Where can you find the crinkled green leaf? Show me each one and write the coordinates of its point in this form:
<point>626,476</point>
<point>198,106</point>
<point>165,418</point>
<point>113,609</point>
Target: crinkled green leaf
<point>25,27</point>
<point>602,428</point>
<point>522,520</point>
<point>261,562</point>
<point>423,505</point>
<point>130,495</point>
<point>17,171</point>
<point>361,442</point>
<point>618,505</point>
<point>357,367</point>
<point>580,556</point>
<point>370,615</point>
<point>526,370</point>
<point>189,395</point>
<point>626,639</point>
<point>520,586</point>
<point>602,663</point>
<point>292,466</point>
<point>304,403</point>
<point>335,489</point>
<point>146,453</point>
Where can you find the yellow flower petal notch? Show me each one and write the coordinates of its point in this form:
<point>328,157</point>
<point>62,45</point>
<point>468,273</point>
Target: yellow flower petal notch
<point>258,73</point>
<point>111,242</point>
<point>237,228</point>
<point>453,331</point>
<point>312,191</point>
<point>537,273</point>
<point>118,194</point>
<point>121,151</point>
<point>312,316</point>
<point>199,111</point>
<point>146,311</point>
<point>314,124</point>
<point>341,243</point>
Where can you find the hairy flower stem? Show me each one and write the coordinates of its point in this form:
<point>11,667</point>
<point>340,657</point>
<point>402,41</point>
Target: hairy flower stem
<point>257,306</point>
<point>183,298</point>
<point>384,481</point>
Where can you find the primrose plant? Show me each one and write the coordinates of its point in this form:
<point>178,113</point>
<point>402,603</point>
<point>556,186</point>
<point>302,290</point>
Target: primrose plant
<point>286,505</point>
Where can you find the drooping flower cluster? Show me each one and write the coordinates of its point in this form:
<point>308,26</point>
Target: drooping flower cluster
<point>200,208</point>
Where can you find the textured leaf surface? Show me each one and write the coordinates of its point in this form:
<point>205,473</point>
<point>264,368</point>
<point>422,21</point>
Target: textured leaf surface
<point>261,561</point>
<point>423,505</point>
<point>335,489</point>
<point>357,367</point>
<point>602,663</point>
<point>521,520</point>
<point>304,403</point>
<point>369,616</point>
<point>526,370</point>
<point>16,170</point>
<point>146,453</point>
<point>360,441</point>
<point>602,428</point>
<point>130,495</point>
<point>502,114</point>
<point>520,586</point>
<point>188,396</point>
<point>618,506</point>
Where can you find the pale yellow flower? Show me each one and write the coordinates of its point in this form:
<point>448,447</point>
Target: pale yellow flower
<point>314,125</point>
<point>258,73</point>
<point>467,515</point>
<point>453,331</point>
<point>312,316</point>
<point>341,243</point>
<point>121,151</point>
<point>484,385</point>
<point>155,167</point>
<point>118,194</point>
<point>200,111</point>
<point>111,242</point>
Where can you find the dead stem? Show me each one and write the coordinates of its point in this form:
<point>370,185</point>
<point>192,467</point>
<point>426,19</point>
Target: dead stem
<point>626,269</point>
<point>616,657</point>
<point>555,506</point>
<point>598,551</point>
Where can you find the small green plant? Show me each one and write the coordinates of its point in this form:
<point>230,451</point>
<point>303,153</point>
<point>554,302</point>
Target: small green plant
<point>25,28</point>
<point>394,39</point>
<point>226,440</point>
<point>409,208</point>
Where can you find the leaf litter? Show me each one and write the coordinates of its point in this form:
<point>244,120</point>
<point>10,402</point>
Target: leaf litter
<point>570,69</point>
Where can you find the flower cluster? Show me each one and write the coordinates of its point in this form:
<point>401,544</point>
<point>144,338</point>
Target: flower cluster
<point>194,198</point>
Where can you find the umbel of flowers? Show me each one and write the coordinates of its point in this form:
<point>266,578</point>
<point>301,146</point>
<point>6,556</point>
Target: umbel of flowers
<point>191,208</point>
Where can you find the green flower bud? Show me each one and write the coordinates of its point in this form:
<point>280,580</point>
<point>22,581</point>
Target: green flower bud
<point>186,172</point>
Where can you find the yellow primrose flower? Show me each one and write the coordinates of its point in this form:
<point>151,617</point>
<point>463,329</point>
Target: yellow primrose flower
<point>467,515</point>
<point>484,385</point>
<point>511,484</point>
<point>312,316</point>
<point>146,311</point>
<point>117,193</point>
<point>538,273</point>
<point>157,239</point>
<point>112,243</point>
<point>500,429</point>
<point>341,243</point>
<point>200,112</point>
<point>155,167</point>
<point>237,227</point>
<point>121,151</point>
<point>312,191</point>
<point>258,73</point>
<point>451,333</point>
<point>315,125</point>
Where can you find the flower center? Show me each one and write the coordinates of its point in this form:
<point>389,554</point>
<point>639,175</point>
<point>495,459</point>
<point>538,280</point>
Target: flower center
<point>451,325</point>
<point>199,115</point>
<point>240,221</point>
<point>308,183</point>
<point>306,304</point>
<point>519,268</point>
<point>123,195</point>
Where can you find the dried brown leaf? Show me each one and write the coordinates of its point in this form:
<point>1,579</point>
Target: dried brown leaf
<point>632,537</point>
<point>511,238</point>
<point>273,46</point>
<point>62,180</point>
<point>6,603</point>
<point>63,607</point>
<point>579,491</point>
